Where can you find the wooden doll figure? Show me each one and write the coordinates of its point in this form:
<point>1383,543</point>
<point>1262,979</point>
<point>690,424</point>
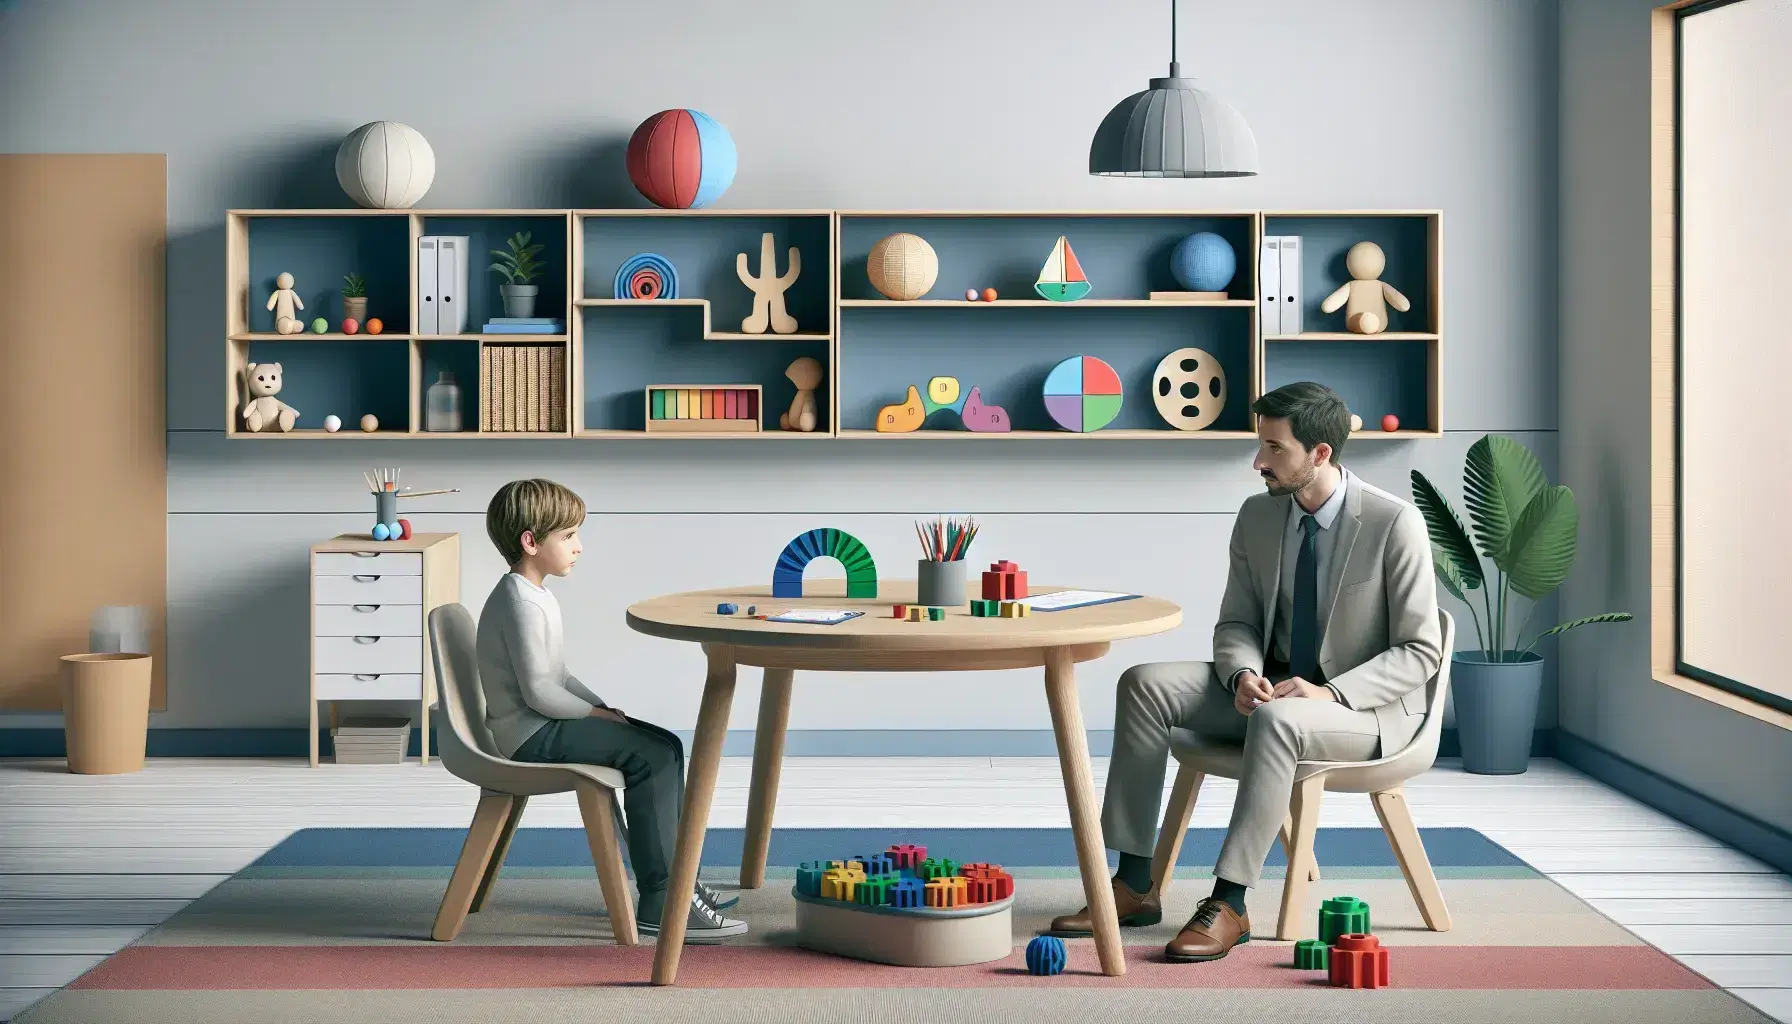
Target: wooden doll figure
<point>805,373</point>
<point>283,302</point>
<point>1365,297</point>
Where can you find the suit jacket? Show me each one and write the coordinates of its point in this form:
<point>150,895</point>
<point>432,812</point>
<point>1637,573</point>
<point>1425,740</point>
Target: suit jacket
<point>1381,639</point>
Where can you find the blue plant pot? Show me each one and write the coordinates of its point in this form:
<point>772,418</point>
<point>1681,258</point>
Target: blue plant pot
<point>1496,710</point>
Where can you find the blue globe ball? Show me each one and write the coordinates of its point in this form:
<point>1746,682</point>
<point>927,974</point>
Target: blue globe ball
<point>1045,955</point>
<point>1204,262</point>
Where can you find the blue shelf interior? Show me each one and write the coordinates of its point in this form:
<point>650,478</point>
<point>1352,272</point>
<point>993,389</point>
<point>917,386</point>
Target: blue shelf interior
<point>1124,257</point>
<point>1324,243</point>
<point>1007,353</point>
<point>703,251</point>
<point>629,348</point>
<point>1374,377</point>
<point>348,378</point>
<point>319,252</point>
<point>487,233</point>
<point>460,358</point>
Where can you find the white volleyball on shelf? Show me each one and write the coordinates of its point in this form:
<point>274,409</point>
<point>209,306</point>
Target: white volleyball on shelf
<point>385,165</point>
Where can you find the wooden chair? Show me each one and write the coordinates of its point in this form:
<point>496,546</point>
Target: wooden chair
<point>467,749</point>
<point>1382,779</point>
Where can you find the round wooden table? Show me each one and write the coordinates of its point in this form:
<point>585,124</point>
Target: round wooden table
<point>878,642</point>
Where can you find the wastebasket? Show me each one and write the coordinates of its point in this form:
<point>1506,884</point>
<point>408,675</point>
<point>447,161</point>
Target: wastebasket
<point>105,712</point>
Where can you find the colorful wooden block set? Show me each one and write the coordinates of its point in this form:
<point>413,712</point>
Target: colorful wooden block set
<point>904,878</point>
<point>672,408</point>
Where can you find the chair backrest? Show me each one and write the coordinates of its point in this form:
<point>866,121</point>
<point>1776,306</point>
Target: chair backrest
<point>1421,753</point>
<point>466,746</point>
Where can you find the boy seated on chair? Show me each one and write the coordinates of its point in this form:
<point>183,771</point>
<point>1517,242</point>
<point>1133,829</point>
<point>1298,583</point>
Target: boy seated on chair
<point>538,711</point>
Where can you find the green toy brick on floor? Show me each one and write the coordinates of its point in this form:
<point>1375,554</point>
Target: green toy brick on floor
<point>1342,915</point>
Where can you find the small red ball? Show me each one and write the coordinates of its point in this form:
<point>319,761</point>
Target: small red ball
<point>989,295</point>
<point>404,526</point>
<point>350,325</point>
<point>1390,423</point>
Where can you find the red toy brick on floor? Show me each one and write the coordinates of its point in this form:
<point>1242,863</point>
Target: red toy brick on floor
<point>1359,961</point>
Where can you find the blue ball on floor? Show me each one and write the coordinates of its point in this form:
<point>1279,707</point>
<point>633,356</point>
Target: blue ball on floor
<point>1045,955</point>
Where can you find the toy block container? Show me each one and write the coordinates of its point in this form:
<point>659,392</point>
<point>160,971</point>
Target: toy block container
<point>923,912</point>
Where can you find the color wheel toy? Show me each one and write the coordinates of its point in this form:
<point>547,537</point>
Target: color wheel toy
<point>646,275</point>
<point>1061,279</point>
<point>861,569</point>
<point>1083,393</point>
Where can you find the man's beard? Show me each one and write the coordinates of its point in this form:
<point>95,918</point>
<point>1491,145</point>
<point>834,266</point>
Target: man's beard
<point>1278,489</point>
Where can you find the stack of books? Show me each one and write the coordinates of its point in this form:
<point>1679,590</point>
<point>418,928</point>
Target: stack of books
<point>522,387</point>
<point>372,740</point>
<point>525,325</point>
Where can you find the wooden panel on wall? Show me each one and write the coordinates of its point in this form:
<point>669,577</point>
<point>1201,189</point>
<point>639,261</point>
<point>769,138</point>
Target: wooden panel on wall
<point>83,469</point>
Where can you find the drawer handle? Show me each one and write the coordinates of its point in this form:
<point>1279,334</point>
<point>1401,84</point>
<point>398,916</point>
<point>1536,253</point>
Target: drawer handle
<point>365,554</point>
<point>367,607</point>
<point>367,639</point>
<point>359,578</point>
<point>366,677</point>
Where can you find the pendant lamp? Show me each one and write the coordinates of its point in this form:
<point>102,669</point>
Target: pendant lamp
<point>1173,130</point>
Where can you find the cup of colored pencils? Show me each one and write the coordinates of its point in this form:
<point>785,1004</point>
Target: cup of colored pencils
<point>939,573</point>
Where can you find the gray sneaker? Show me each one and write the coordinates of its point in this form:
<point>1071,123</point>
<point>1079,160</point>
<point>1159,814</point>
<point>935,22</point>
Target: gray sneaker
<point>704,925</point>
<point>716,899</point>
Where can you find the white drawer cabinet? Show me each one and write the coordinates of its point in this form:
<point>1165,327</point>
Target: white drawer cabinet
<point>370,605</point>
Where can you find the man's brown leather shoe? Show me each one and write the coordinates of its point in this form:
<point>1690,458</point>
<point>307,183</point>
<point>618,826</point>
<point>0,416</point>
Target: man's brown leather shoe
<point>1133,909</point>
<point>1210,934</point>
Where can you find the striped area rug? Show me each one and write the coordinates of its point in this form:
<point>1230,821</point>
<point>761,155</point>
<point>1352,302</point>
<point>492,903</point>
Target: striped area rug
<point>333,925</point>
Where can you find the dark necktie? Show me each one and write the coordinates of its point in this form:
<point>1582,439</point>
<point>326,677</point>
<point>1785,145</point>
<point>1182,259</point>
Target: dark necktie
<point>1303,654</point>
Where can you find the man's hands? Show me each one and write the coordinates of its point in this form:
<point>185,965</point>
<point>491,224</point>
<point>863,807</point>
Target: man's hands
<point>1253,689</point>
<point>613,714</point>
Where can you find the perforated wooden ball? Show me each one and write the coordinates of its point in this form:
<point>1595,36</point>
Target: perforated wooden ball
<point>1189,388</point>
<point>902,266</point>
<point>370,423</point>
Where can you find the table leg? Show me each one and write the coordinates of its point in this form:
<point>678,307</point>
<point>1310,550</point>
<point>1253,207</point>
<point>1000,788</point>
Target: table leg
<point>768,764</point>
<point>1085,817</point>
<point>314,732</point>
<point>699,787</point>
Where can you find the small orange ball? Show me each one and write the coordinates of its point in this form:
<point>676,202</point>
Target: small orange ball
<point>989,295</point>
<point>1390,423</point>
<point>350,325</point>
<point>374,326</point>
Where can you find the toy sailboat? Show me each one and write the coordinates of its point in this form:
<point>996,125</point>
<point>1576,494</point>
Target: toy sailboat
<point>1061,279</point>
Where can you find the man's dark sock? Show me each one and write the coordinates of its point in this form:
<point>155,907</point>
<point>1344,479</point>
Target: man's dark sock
<point>1231,892</point>
<point>1135,871</point>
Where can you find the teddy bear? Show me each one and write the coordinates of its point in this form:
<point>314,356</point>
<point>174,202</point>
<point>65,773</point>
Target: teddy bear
<point>805,373</point>
<point>1365,311</point>
<point>262,412</point>
<point>282,303</point>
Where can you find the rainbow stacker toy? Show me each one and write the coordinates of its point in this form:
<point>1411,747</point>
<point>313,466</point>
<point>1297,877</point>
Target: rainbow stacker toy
<point>905,908</point>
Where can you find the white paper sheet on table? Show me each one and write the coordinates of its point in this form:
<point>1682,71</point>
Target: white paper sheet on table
<point>1059,601</point>
<point>814,616</point>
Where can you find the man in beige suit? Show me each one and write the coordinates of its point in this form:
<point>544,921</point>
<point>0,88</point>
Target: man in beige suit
<point>1327,634</point>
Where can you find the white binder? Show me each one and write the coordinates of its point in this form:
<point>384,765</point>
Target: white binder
<point>1291,294</point>
<point>452,256</point>
<point>427,321</point>
<point>1269,285</point>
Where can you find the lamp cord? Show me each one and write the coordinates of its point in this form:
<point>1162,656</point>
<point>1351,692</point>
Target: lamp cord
<point>1175,67</point>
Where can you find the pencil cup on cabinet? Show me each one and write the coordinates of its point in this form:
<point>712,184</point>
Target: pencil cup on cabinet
<point>386,509</point>
<point>939,584</point>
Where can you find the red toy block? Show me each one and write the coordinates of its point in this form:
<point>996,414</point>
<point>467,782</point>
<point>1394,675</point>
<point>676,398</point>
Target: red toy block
<point>1005,581</point>
<point>988,888</point>
<point>899,611</point>
<point>1359,961</point>
<point>907,856</point>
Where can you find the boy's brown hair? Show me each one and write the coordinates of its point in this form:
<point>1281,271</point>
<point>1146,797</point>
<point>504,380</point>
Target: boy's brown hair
<point>536,506</point>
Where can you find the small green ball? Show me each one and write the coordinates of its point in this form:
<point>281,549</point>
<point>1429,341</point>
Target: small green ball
<point>320,325</point>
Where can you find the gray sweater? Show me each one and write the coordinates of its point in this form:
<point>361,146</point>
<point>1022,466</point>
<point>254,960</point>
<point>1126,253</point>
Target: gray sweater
<point>522,664</point>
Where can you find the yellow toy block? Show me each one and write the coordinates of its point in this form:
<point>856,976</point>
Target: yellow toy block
<point>841,883</point>
<point>946,891</point>
<point>1015,610</point>
<point>914,613</point>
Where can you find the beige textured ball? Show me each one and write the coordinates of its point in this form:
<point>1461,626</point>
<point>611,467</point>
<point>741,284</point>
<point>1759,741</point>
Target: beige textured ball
<point>902,266</point>
<point>370,423</point>
<point>1356,422</point>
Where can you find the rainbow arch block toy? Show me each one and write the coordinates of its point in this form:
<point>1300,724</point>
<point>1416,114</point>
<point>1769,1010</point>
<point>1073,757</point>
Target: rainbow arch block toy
<point>861,568</point>
<point>912,911</point>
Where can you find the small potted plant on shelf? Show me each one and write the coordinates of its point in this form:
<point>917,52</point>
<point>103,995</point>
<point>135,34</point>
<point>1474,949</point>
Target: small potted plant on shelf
<point>519,268</point>
<point>1530,530</point>
<point>354,297</point>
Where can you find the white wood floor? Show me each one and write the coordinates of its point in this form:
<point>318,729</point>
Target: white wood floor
<point>89,863</point>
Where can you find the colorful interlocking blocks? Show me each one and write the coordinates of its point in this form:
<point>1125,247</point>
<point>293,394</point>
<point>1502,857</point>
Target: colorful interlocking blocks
<point>1342,915</point>
<point>904,877</point>
<point>875,891</point>
<point>840,884</point>
<point>1005,581</point>
<point>946,891</point>
<point>1311,955</point>
<point>1358,961</point>
<point>879,864</point>
<point>937,868</point>
<point>989,888</point>
<point>907,857</point>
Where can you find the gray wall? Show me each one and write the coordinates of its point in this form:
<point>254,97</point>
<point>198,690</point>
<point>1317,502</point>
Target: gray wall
<point>1607,693</point>
<point>1446,104</point>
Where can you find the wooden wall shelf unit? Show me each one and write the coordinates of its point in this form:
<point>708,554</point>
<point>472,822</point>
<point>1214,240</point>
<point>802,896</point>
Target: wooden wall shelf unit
<point>872,348</point>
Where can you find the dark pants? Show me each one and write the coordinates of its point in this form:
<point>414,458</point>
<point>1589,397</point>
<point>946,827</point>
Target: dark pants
<point>651,761</point>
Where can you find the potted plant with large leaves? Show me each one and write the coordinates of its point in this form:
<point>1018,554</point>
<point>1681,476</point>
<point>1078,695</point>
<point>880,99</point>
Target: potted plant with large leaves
<point>519,268</point>
<point>1530,530</point>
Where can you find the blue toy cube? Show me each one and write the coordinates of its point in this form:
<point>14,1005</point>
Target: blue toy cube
<point>909,892</point>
